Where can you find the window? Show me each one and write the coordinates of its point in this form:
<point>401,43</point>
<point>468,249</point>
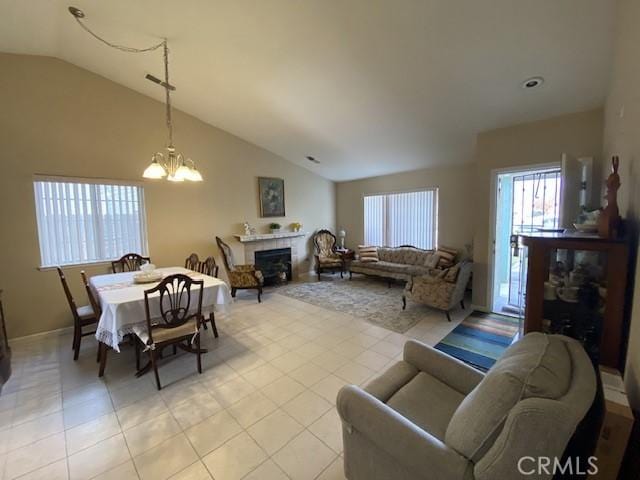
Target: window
<point>408,218</point>
<point>84,221</point>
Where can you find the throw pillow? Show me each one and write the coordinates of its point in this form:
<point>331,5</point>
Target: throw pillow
<point>447,256</point>
<point>451,274</point>
<point>432,260</point>
<point>368,253</point>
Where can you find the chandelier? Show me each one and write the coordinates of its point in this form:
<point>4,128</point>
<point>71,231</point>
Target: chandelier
<point>167,164</point>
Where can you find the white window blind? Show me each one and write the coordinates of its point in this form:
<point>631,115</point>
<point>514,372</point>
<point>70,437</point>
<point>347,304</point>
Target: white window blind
<point>408,218</point>
<point>84,221</point>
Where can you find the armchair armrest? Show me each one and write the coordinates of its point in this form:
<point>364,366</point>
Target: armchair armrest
<point>411,446</point>
<point>453,372</point>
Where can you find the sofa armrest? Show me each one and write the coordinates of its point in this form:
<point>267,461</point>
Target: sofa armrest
<point>411,446</point>
<point>453,372</point>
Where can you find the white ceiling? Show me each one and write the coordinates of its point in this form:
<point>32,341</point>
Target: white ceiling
<point>368,87</point>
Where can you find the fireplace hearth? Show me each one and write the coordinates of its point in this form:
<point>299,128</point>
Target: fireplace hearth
<point>272,263</point>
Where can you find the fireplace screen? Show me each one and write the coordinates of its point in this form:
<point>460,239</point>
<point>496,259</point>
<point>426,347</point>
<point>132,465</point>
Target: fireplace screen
<point>273,264</point>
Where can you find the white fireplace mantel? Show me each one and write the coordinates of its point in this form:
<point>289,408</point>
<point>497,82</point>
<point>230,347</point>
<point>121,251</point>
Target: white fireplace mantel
<point>260,237</point>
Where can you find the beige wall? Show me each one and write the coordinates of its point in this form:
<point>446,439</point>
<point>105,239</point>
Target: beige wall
<point>577,134</point>
<point>59,119</point>
<point>622,137</point>
<point>455,219</point>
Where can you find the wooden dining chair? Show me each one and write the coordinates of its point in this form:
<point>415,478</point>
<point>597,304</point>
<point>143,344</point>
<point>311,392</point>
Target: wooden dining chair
<point>95,306</point>
<point>129,263</point>
<point>83,316</point>
<point>192,262</point>
<point>209,267</point>
<point>178,324</point>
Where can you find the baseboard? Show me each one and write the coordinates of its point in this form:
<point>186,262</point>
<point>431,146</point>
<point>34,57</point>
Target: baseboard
<point>58,331</point>
<point>480,308</point>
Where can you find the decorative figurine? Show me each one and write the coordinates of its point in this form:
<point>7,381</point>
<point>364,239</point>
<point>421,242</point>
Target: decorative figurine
<point>609,219</point>
<point>248,229</point>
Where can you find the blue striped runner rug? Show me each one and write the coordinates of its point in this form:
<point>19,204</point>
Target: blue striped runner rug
<point>480,339</point>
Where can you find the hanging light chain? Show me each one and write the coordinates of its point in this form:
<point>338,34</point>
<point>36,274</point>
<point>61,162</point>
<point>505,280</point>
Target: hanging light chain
<point>167,90</point>
<point>115,45</point>
<point>178,168</point>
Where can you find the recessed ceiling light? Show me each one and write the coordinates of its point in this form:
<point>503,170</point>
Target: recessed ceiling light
<point>532,82</point>
<point>312,159</point>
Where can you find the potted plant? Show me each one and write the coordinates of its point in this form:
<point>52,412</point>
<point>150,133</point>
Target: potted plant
<point>274,227</point>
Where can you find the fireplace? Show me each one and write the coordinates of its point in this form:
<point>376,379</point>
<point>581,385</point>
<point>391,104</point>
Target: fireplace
<point>272,262</point>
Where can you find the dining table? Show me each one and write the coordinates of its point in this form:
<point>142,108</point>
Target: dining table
<point>122,301</point>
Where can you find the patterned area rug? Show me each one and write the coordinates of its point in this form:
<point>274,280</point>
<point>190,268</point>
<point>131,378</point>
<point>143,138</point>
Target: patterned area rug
<point>366,298</point>
<point>480,339</point>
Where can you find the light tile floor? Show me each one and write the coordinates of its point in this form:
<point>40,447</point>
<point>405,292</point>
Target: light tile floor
<point>264,407</point>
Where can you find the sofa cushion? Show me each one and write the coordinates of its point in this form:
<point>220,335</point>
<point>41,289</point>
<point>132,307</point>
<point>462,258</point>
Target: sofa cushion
<point>538,365</point>
<point>446,256</point>
<point>427,402</point>
<point>367,254</point>
<point>432,259</point>
<point>388,267</point>
<point>406,255</point>
<point>451,273</point>
<point>417,270</point>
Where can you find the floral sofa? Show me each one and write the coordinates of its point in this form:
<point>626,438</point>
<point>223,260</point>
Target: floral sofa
<point>400,263</point>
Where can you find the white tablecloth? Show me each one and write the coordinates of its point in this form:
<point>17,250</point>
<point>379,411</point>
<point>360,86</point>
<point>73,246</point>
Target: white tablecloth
<point>122,301</point>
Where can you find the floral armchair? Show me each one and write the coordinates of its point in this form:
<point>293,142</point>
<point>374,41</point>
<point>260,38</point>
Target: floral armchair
<point>325,252</point>
<point>241,277</point>
<point>442,289</point>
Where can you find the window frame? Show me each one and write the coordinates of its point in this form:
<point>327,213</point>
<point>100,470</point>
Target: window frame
<point>436,209</point>
<point>89,181</point>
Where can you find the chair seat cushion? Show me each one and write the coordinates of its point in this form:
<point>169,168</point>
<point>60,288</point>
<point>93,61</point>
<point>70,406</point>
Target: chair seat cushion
<point>388,267</point>
<point>164,334</point>
<point>330,260</point>
<point>537,366</point>
<point>427,402</point>
<point>85,312</point>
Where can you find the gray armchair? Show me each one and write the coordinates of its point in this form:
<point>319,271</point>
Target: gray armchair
<point>433,417</point>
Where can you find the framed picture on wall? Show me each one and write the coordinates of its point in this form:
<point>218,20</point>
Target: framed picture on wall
<point>271,196</point>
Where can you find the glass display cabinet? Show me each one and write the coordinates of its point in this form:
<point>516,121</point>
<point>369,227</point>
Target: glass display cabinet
<point>575,285</point>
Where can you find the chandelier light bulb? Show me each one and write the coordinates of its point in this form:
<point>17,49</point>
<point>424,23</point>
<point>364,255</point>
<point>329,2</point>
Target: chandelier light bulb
<point>195,175</point>
<point>154,171</point>
<point>183,172</point>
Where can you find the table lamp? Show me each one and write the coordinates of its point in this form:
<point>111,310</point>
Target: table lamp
<point>341,235</point>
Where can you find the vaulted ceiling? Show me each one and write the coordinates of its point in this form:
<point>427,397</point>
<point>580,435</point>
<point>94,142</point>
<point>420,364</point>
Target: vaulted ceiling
<point>367,87</point>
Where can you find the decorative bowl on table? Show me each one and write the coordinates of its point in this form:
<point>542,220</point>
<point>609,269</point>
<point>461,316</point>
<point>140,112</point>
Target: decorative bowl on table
<point>147,274</point>
<point>586,227</point>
